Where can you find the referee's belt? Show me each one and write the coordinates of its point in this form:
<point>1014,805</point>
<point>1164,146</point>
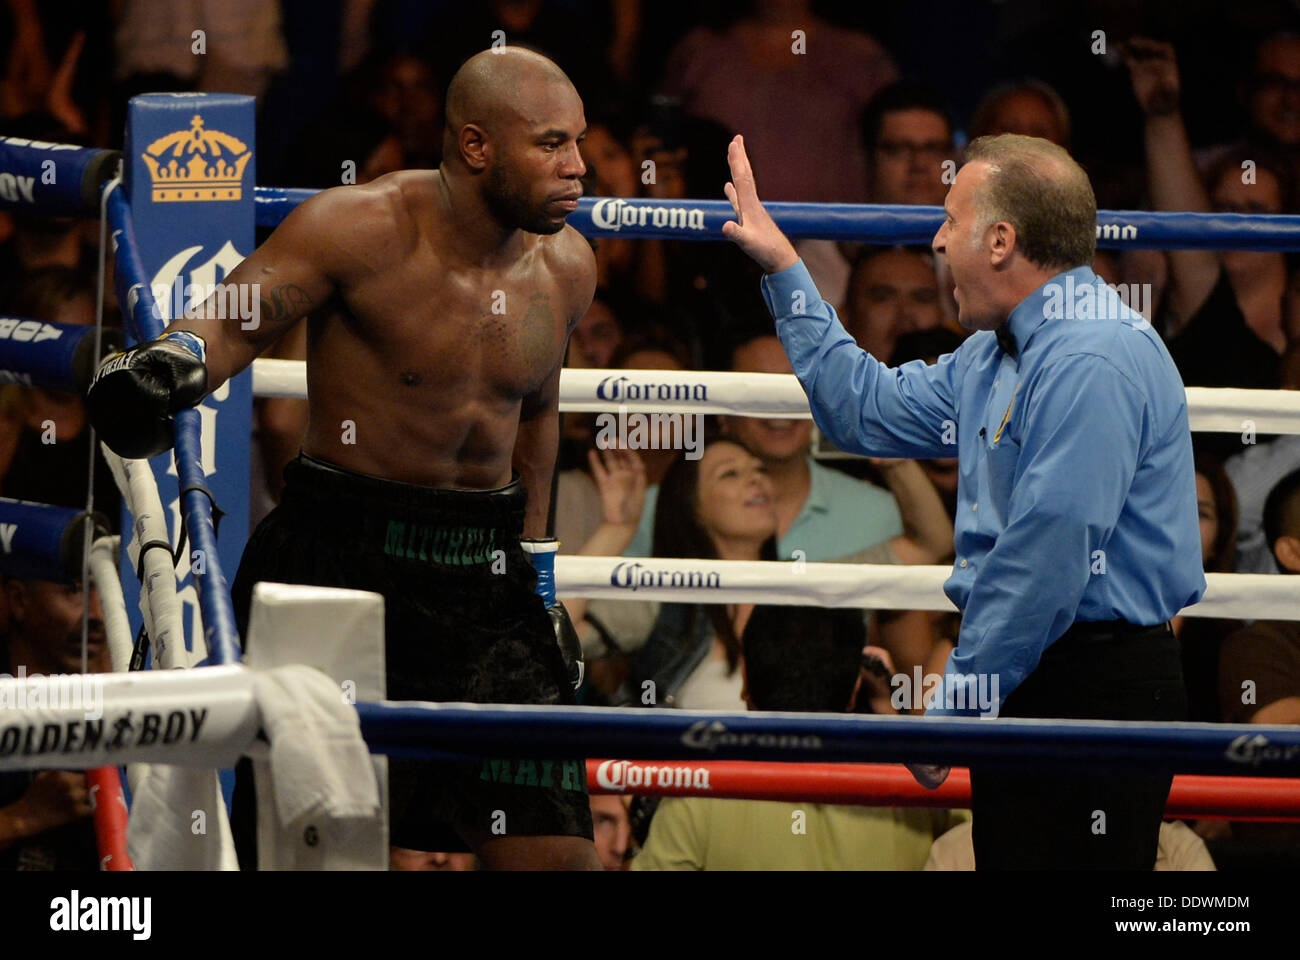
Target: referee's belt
<point>1115,628</point>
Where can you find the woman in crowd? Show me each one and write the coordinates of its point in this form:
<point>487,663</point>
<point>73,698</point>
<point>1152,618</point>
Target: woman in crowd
<point>718,507</point>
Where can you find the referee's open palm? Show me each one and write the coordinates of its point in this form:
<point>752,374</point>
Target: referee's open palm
<point>753,229</point>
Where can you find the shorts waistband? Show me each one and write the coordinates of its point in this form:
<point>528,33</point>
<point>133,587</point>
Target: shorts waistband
<point>427,525</point>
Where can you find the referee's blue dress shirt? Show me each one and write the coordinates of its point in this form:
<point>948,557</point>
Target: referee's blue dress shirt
<point>1076,499</point>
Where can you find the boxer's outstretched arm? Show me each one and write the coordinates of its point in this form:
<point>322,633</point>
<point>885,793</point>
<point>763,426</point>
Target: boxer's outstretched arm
<point>295,271</point>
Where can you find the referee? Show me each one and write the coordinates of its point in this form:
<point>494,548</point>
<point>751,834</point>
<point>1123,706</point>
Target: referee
<point>1076,532</point>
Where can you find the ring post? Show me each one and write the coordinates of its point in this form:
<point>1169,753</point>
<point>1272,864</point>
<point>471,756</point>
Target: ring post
<point>189,172</point>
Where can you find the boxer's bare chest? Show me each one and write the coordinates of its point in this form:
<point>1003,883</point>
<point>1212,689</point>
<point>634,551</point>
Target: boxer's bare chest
<point>434,326</point>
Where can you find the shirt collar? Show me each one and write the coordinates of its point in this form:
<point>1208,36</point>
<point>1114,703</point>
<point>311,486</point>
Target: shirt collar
<point>1029,314</point>
<point>818,499</point>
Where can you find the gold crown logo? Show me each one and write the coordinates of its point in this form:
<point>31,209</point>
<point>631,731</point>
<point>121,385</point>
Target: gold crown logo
<point>196,165</point>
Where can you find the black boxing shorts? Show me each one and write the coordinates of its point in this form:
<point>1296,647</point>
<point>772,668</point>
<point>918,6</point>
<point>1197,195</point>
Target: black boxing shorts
<point>463,622</point>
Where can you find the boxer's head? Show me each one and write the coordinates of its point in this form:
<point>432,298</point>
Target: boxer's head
<point>515,123</point>
<point>1019,212</point>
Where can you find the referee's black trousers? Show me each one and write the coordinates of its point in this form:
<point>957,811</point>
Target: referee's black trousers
<point>1091,820</point>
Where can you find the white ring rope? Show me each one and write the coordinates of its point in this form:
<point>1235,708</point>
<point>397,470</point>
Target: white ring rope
<point>190,718</point>
<point>773,395</point>
<point>885,587</point>
<point>117,625</point>
<point>104,557</point>
<point>159,603</point>
<point>1235,596</point>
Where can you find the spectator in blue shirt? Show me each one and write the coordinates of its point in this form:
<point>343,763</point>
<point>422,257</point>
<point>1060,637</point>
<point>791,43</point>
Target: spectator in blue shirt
<point>1077,537</point>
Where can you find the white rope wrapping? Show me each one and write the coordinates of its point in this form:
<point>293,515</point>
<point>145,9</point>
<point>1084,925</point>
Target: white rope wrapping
<point>117,625</point>
<point>1236,596</point>
<point>780,395</point>
<point>159,604</point>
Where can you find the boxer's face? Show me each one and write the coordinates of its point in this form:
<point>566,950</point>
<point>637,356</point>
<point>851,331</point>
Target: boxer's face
<point>533,179</point>
<point>969,244</point>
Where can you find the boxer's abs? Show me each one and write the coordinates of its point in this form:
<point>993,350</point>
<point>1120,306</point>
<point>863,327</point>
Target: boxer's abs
<point>439,407</point>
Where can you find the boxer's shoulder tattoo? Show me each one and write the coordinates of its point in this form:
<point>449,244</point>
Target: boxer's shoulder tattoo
<point>285,300</point>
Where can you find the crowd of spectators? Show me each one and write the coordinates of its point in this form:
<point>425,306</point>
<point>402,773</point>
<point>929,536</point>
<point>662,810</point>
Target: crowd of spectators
<point>838,103</point>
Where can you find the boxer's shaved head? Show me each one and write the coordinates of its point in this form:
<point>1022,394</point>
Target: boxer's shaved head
<point>513,116</point>
<point>489,84</point>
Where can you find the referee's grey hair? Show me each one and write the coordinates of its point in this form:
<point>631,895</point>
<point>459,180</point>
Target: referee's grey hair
<point>1040,190</point>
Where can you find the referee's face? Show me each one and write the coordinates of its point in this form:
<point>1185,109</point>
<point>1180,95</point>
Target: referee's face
<point>962,238</point>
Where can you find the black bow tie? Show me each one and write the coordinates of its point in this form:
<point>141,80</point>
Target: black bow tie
<point>1006,341</point>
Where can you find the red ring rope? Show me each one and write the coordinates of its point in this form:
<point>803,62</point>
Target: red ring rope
<point>890,785</point>
<point>109,805</point>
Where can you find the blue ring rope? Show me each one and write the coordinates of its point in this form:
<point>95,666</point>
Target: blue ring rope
<point>410,729</point>
<point>882,223</point>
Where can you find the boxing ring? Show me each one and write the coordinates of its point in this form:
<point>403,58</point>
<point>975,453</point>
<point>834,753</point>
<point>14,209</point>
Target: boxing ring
<point>210,715</point>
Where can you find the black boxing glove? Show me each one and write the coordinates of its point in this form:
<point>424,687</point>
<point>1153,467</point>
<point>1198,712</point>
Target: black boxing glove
<point>566,637</point>
<point>134,394</point>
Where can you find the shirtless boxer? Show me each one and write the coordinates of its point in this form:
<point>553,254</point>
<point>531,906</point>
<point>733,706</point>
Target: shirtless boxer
<point>440,304</point>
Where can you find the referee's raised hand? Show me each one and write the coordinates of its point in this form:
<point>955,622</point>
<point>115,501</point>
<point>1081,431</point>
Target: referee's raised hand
<point>753,230</point>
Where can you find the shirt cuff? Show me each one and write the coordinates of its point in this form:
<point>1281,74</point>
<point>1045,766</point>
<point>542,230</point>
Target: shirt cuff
<point>780,290</point>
